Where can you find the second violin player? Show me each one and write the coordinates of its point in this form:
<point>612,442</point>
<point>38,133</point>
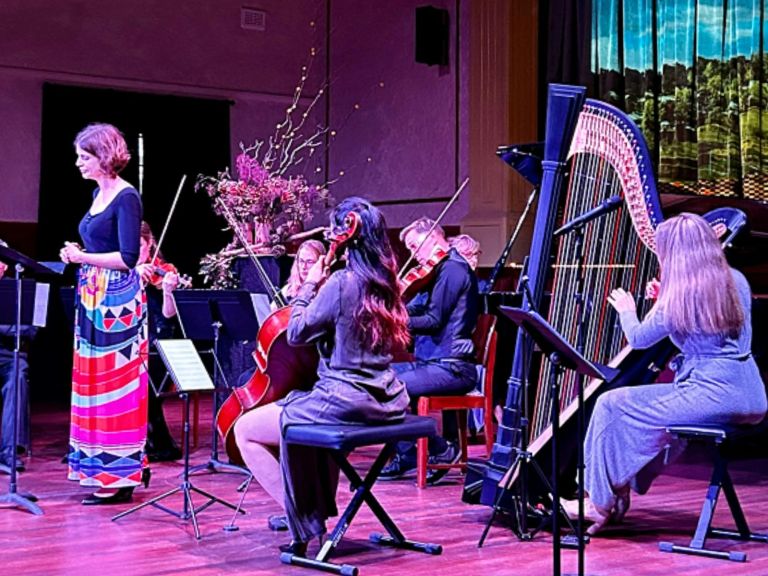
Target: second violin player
<point>161,309</point>
<point>442,318</point>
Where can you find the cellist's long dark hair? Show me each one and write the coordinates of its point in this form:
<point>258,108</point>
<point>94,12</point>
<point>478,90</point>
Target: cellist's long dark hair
<point>381,316</point>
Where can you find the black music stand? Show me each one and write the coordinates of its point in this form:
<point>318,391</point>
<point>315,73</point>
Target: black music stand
<point>583,304</point>
<point>562,356</point>
<point>22,265</point>
<point>188,375</point>
<point>203,314</point>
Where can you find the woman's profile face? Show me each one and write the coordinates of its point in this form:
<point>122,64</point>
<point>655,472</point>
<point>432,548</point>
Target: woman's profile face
<point>305,259</point>
<point>88,164</point>
<point>472,259</point>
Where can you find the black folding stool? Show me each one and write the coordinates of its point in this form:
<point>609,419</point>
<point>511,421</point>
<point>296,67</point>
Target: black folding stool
<point>340,441</point>
<point>718,438</point>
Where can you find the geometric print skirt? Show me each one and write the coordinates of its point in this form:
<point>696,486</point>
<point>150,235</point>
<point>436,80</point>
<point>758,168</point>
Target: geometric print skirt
<point>108,428</point>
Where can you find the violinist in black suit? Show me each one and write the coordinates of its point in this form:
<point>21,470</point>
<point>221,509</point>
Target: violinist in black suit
<point>442,317</point>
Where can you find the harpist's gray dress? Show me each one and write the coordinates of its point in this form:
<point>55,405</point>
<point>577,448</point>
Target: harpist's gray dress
<point>717,382</point>
<point>355,386</point>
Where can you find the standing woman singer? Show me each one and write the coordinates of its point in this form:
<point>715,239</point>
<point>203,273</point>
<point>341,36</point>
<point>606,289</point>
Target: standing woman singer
<point>108,427</point>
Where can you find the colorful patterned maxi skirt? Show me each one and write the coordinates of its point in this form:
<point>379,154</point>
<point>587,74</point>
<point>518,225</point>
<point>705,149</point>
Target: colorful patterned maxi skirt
<point>108,427</point>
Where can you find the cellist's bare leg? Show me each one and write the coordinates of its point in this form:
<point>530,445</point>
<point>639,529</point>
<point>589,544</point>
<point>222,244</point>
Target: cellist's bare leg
<point>258,436</point>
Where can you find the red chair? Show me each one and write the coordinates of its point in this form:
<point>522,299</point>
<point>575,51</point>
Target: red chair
<point>484,338</point>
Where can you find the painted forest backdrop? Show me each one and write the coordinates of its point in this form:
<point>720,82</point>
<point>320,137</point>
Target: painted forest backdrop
<point>692,74</point>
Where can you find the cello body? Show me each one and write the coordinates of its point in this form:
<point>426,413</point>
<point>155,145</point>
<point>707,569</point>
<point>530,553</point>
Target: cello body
<point>280,368</point>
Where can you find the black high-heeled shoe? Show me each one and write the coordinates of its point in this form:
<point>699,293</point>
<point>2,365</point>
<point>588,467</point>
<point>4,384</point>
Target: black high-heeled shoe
<point>296,548</point>
<point>121,495</point>
<point>146,476</point>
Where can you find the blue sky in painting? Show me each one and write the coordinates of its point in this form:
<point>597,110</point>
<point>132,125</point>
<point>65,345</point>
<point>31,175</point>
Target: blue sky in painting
<point>741,19</point>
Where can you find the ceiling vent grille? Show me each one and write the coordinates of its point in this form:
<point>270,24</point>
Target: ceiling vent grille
<point>253,19</point>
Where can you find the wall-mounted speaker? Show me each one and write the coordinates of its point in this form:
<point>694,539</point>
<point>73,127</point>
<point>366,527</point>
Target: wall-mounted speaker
<point>432,35</point>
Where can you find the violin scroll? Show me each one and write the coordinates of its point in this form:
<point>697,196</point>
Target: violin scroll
<point>338,237</point>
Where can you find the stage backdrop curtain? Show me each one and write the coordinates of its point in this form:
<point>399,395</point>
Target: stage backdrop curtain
<point>692,74</point>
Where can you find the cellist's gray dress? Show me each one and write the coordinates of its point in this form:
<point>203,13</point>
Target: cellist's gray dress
<point>717,382</point>
<point>356,386</point>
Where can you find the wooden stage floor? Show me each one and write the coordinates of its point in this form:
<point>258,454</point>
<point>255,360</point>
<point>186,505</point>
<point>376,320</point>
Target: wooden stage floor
<point>73,539</point>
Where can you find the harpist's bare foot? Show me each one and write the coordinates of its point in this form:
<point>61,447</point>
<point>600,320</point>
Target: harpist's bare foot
<point>622,505</point>
<point>591,514</point>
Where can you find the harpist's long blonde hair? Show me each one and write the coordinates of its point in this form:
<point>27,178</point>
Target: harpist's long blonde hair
<point>698,294</point>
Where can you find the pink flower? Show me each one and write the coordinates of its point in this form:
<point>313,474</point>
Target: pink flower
<point>258,195</point>
<point>249,169</point>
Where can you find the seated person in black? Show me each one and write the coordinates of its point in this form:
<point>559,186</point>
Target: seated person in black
<point>11,399</point>
<point>441,320</point>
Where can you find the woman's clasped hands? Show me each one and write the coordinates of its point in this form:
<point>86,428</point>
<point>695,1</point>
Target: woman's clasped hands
<point>71,253</point>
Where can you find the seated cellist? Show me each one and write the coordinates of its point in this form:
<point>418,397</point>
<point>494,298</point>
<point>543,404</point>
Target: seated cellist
<point>355,316</point>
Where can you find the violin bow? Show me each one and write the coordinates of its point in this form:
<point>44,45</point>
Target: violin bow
<point>168,220</point>
<point>512,239</point>
<point>450,203</point>
<point>276,295</point>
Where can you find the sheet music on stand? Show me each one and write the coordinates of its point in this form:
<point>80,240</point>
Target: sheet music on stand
<point>261,307</point>
<point>35,301</point>
<point>184,365</point>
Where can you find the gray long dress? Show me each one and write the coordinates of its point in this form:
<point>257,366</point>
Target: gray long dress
<point>717,382</point>
<point>356,386</point>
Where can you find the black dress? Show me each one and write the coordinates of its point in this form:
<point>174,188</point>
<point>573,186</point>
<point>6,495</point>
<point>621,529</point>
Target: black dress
<point>356,385</point>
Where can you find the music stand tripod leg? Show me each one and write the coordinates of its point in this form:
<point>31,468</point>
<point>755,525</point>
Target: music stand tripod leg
<point>497,504</point>
<point>214,464</point>
<point>522,458</point>
<point>186,488</point>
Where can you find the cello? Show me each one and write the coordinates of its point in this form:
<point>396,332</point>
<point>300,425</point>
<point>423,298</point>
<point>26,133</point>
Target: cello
<point>280,367</point>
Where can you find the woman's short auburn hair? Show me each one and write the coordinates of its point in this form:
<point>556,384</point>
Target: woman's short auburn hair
<point>108,145</point>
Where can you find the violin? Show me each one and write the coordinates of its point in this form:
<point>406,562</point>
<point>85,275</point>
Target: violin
<point>417,278</point>
<point>160,269</point>
<point>414,279</point>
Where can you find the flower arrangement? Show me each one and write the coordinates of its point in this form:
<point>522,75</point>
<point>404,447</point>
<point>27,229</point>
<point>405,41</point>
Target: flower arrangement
<point>267,200</point>
<point>280,204</point>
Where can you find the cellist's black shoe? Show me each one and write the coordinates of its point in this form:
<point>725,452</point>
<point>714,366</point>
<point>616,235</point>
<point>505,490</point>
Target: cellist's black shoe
<point>295,548</point>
